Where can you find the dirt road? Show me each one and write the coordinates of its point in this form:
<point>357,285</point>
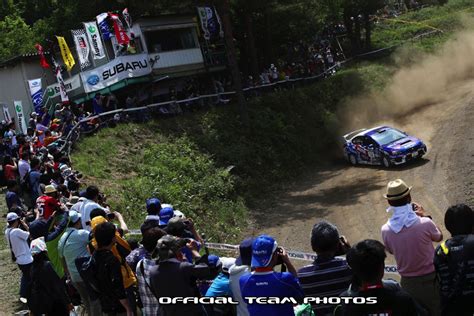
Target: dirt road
<point>351,197</point>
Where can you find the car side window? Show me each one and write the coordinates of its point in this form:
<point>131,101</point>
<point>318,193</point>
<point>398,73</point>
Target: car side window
<point>359,140</point>
<point>369,142</point>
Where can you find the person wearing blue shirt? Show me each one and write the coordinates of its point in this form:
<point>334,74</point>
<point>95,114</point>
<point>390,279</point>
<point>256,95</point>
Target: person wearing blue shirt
<point>265,282</point>
<point>35,176</point>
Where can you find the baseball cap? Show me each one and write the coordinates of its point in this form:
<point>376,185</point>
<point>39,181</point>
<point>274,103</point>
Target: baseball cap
<point>12,216</point>
<point>152,202</point>
<point>227,262</point>
<point>262,251</point>
<point>38,246</point>
<point>74,216</point>
<point>214,261</point>
<point>245,249</point>
<point>165,215</point>
<point>178,214</point>
<point>169,245</point>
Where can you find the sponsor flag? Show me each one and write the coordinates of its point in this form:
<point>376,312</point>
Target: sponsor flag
<point>36,93</point>
<point>210,23</point>
<point>43,61</point>
<point>120,33</point>
<point>6,114</point>
<point>127,18</point>
<point>66,53</point>
<point>104,26</point>
<point>95,41</point>
<point>59,79</point>
<point>203,18</point>
<point>20,116</point>
<point>82,47</point>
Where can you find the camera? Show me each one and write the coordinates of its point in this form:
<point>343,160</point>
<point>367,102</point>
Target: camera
<point>110,216</point>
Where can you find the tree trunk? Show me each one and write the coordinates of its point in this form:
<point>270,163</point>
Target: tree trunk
<point>357,34</point>
<point>252,51</point>
<point>224,11</point>
<point>368,32</point>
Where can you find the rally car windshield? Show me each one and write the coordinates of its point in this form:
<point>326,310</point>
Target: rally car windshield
<point>387,136</point>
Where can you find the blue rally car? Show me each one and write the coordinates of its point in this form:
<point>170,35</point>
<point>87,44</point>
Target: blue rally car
<point>382,145</point>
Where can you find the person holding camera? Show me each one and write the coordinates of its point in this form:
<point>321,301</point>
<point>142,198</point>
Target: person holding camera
<point>17,236</point>
<point>265,282</point>
<point>328,275</point>
<point>411,225</point>
<point>91,202</point>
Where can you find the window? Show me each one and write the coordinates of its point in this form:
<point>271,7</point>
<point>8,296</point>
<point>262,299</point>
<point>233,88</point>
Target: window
<point>387,136</point>
<point>170,40</point>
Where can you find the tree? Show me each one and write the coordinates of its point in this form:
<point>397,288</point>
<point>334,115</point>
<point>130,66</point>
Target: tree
<point>17,37</point>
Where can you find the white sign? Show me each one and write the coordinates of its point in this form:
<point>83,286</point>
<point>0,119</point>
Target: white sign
<point>71,84</point>
<point>20,116</point>
<point>95,41</point>
<point>36,93</point>
<point>6,114</point>
<point>120,68</point>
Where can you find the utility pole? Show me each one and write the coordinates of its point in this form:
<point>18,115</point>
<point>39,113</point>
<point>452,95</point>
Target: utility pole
<point>224,12</point>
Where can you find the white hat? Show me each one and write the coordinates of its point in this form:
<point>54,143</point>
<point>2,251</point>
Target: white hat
<point>179,214</point>
<point>12,216</point>
<point>227,262</point>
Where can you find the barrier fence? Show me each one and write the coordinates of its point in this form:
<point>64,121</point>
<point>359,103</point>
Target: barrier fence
<point>297,255</point>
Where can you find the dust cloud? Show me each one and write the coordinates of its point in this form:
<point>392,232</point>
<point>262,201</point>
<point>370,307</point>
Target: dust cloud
<point>425,81</point>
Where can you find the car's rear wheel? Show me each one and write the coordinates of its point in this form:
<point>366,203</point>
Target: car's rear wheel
<point>386,162</point>
<point>352,159</point>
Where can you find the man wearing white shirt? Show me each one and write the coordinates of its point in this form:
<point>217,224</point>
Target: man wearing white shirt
<point>17,240</point>
<point>88,205</point>
<point>24,165</point>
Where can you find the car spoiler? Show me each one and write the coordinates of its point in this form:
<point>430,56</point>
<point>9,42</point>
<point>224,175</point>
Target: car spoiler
<point>350,135</point>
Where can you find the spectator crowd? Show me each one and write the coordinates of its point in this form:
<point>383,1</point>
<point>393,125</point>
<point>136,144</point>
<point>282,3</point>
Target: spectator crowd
<point>72,250</point>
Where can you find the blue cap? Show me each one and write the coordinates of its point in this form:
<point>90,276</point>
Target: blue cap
<point>262,251</point>
<point>74,216</point>
<point>165,215</point>
<point>152,202</point>
<point>245,249</point>
<point>213,261</point>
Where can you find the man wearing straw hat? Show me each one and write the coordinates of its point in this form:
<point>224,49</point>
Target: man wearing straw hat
<point>409,235</point>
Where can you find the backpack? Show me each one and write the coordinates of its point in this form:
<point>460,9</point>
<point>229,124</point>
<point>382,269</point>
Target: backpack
<point>39,298</point>
<point>88,270</point>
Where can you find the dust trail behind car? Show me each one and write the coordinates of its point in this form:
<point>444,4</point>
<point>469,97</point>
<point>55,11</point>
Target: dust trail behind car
<point>415,86</point>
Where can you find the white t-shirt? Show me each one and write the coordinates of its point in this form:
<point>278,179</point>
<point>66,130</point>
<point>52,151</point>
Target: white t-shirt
<point>23,168</point>
<point>235,273</point>
<point>20,247</point>
<point>86,208</point>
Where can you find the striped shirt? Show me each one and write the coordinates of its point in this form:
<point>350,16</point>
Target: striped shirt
<point>325,278</point>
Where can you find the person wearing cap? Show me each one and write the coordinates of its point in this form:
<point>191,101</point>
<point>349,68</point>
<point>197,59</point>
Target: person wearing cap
<point>47,294</point>
<point>265,282</point>
<point>73,244</point>
<point>241,267</point>
<point>410,224</point>
<point>153,208</point>
<point>173,276</point>
<point>166,213</point>
<point>49,203</point>
<point>220,285</point>
<point>17,235</point>
<point>184,228</point>
<point>143,270</point>
<point>328,275</point>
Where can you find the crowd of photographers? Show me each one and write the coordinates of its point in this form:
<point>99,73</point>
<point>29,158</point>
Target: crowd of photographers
<point>71,250</point>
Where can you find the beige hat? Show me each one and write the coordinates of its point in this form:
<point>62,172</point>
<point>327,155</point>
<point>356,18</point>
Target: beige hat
<point>396,190</point>
<point>49,189</point>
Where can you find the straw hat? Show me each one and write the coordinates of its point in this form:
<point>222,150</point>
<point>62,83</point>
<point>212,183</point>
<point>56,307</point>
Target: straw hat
<point>49,189</point>
<point>396,190</point>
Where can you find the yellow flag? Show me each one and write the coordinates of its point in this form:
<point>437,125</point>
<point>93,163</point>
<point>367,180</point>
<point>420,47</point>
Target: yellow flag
<point>66,53</point>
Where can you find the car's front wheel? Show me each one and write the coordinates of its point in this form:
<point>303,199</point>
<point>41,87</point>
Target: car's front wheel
<point>352,159</point>
<point>386,162</point>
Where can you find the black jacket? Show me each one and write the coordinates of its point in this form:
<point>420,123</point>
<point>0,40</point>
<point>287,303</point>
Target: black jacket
<point>109,279</point>
<point>173,278</point>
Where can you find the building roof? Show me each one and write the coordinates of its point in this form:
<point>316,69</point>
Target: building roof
<point>14,60</point>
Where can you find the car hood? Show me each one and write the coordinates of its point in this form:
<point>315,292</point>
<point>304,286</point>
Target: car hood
<point>403,144</point>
